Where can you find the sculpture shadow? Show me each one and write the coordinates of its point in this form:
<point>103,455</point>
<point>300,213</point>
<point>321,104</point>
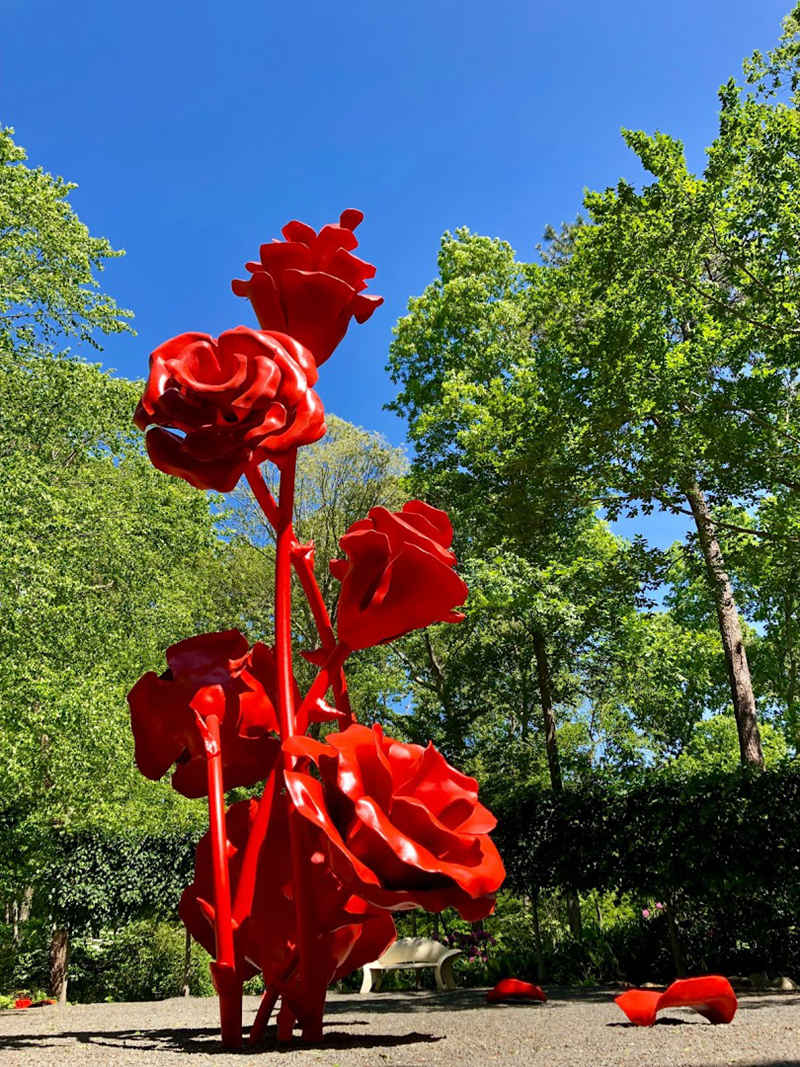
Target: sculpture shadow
<point>668,1021</point>
<point>403,1002</point>
<point>754,1001</point>
<point>205,1041</point>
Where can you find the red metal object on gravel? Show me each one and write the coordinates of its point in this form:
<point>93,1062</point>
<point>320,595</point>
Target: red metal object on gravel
<point>301,884</point>
<point>514,989</point>
<point>710,996</point>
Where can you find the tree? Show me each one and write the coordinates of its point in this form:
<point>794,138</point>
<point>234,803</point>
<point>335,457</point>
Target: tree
<point>495,446</point>
<point>675,309</point>
<point>105,561</point>
<point>48,260</point>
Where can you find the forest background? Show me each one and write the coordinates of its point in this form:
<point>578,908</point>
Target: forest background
<point>632,711</point>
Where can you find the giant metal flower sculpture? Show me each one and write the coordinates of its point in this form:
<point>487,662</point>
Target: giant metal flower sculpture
<point>301,884</point>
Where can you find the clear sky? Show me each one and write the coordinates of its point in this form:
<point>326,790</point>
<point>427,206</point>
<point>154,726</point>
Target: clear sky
<point>195,130</point>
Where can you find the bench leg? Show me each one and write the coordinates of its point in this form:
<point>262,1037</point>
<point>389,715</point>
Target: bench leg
<point>372,981</point>
<point>444,975</point>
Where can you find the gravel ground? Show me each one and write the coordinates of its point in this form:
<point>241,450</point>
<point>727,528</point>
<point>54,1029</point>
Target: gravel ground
<point>413,1030</point>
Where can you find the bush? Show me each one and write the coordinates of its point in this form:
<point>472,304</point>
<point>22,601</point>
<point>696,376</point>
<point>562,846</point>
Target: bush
<point>143,961</point>
<point>25,965</point>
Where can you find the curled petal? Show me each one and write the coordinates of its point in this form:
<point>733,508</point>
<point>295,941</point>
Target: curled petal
<point>209,403</point>
<point>311,285</point>
<point>395,849</point>
<point>211,674</point>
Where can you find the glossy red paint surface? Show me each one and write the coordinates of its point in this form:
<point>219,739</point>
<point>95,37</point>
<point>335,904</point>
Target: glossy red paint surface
<point>310,285</point>
<point>215,673</point>
<point>710,995</point>
<point>514,989</point>
<point>402,825</point>
<point>301,884</point>
<point>211,407</point>
<point>398,575</point>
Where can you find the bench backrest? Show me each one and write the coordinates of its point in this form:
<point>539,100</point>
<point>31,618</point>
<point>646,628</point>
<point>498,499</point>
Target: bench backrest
<point>413,950</point>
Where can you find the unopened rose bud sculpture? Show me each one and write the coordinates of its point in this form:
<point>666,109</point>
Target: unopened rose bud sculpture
<point>301,884</point>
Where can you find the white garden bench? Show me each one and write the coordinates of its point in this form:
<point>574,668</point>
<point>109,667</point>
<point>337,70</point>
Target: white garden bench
<point>413,952</point>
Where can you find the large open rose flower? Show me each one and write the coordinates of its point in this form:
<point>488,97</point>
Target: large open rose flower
<point>240,399</point>
<point>216,673</point>
<point>310,285</point>
<point>404,828</point>
<point>398,575</point>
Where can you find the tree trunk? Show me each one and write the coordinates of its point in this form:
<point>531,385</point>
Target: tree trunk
<point>59,961</point>
<point>744,704</point>
<point>674,943</point>
<point>574,920</point>
<point>546,697</point>
<point>553,762</point>
<point>27,904</point>
<point>537,936</point>
<point>187,962</point>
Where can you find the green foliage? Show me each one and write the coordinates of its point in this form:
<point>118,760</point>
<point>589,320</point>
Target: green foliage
<point>48,260</point>
<point>714,746</point>
<point>96,880</point>
<point>105,562</point>
<point>670,836</point>
<point>144,961</point>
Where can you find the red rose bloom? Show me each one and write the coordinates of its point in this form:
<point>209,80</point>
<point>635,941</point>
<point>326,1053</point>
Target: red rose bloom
<point>241,399</point>
<point>217,674</point>
<point>404,828</point>
<point>398,576</point>
<point>310,285</point>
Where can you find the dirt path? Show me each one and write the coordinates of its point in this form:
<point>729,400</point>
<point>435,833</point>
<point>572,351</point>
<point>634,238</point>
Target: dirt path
<point>412,1030</point>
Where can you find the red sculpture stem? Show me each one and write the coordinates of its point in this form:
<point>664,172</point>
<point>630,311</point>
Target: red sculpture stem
<point>230,1001</point>
<point>245,890</point>
<point>313,593</point>
<point>322,619</point>
<point>322,682</point>
<point>286,710</point>
<point>308,581</point>
<point>265,499</point>
<point>268,1001</point>
<point>261,1021</point>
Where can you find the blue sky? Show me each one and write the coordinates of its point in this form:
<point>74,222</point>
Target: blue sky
<point>196,130</point>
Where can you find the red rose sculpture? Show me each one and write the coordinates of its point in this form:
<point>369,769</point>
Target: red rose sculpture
<point>711,996</point>
<point>214,673</point>
<point>403,826</point>
<point>237,400</point>
<point>310,285</point>
<point>348,932</point>
<point>398,575</point>
<point>301,884</point>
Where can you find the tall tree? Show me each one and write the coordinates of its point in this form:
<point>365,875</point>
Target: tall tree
<point>49,292</point>
<point>495,446</point>
<point>675,307</point>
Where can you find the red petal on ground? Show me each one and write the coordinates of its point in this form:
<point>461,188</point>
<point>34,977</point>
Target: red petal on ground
<point>512,989</point>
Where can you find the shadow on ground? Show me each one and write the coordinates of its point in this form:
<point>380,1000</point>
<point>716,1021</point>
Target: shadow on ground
<point>403,1001</point>
<point>206,1041</point>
